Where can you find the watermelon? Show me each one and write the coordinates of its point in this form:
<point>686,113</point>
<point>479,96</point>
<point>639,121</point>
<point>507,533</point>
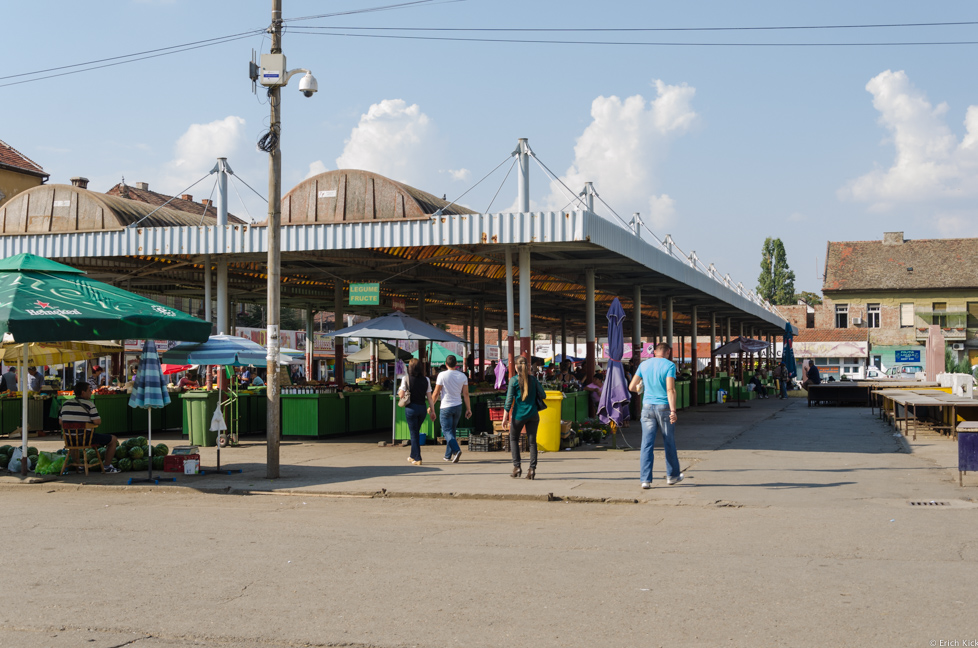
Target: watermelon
<point>122,452</point>
<point>129,443</point>
<point>142,441</point>
<point>125,464</point>
<point>139,464</point>
<point>157,463</point>
<point>91,455</point>
<point>161,450</point>
<point>115,463</point>
<point>136,452</point>
<point>4,460</point>
<point>31,451</point>
<point>101,452</point>
<point>7,449</point>
<point>31,462</point>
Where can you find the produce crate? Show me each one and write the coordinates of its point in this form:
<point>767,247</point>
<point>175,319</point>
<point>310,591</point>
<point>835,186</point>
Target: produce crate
<point>496,410</point>
<point>174,463</point>
<point>499,428</point>
<point>463,433</point>
<point>485,442</point>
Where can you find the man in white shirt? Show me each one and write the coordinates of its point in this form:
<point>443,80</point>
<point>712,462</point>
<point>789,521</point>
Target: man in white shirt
<point>453,387</point>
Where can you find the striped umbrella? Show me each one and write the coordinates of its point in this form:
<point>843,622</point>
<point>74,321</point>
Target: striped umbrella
<point>220,350</point>
<point>40,354</point>
<point>149,391</point>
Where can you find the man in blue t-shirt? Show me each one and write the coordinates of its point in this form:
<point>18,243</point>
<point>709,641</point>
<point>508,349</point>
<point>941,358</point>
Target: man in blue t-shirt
<point>657,376</point>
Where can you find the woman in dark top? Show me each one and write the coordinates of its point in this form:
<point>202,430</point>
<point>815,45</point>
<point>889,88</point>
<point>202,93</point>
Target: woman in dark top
<point>521,401</point>
<point>419,387</point>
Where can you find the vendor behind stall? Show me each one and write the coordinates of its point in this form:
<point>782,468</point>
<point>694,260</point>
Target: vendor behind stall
<point>189,381</point>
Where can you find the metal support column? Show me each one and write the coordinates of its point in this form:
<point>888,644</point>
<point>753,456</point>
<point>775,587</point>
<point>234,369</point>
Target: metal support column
<point>713,345</point>
<point>694,385</point>
<point>310,332</point>
<point>339,370</point>
<point>669,315</point>
<point>208,291</point>
<point>589,320</point>
<point>637,324</point>
<point>510,314</point>
<point>729,330</point>
<point>481,371</point>
<point>526,347</point>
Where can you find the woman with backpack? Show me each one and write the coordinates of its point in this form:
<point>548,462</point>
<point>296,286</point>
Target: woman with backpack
<point>417,388</point>
<point>523,398</point>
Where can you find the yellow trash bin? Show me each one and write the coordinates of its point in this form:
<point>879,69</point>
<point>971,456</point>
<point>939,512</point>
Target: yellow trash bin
<point>548,434</point>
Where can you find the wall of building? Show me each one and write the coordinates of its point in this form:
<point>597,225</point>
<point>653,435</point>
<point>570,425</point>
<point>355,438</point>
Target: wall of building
<point>12,183</point>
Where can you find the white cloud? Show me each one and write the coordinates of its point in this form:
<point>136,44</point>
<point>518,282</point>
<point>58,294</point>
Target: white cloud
<point>316,168</point>
<point>197,150</point>
<point>621,148</point>
<point>395,140</point>
<point>930,162</point>
<point>797,217</point>
<point>460,175</point>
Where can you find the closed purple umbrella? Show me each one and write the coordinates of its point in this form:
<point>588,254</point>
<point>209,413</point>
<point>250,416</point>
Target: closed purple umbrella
<point>613,403</point>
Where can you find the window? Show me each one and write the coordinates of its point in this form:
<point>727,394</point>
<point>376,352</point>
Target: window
<point>873,315</point>
<point>842,316</point>
<point>972,314</point>
<point>940,314</point>
<point>878,361</point>
<point>906,315</point>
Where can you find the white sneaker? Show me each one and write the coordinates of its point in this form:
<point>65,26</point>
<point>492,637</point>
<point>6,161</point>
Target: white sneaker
<point>674,480</point>
<point>646,485</point>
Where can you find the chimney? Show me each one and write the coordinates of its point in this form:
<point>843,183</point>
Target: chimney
<point>187,197</point>
<point>80,182</point>
<point>142,185</point>
<point>892,238</point>
<point>205,202</point>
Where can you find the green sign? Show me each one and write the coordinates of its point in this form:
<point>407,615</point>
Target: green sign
<point>367,294</point>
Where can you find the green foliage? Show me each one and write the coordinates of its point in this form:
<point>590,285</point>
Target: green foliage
<point>809,298</point>
<point>953,366</point>
<point>776,282</point>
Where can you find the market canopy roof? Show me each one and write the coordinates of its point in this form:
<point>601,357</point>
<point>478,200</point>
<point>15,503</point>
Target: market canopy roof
<point>456,261</point>
<point>386,353</point>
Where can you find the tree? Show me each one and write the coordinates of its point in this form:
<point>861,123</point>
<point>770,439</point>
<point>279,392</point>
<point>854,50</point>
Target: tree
<point>776,282</point>
<point>809,298</point>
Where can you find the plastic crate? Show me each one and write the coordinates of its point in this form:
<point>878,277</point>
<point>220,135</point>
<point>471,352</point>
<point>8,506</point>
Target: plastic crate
<point>485,442</point>
<point>174,463</point>
<point>463,432</point>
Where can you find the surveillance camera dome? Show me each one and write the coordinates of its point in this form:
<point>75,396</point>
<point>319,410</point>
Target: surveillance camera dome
<point>308,85</point>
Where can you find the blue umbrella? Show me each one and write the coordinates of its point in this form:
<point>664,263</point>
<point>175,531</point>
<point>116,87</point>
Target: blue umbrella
<point>788,353</point>
<point>613,403</point>
<point>219,350</point>
<point>149,392</point>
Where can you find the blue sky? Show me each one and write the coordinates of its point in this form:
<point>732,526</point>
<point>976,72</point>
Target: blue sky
<point>717,146</point>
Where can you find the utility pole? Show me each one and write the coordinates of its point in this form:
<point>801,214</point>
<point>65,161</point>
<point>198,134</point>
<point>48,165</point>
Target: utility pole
<point>274,270</point>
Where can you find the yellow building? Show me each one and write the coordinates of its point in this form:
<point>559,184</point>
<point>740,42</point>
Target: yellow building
<point>896,288</point>
<point>17,172</point>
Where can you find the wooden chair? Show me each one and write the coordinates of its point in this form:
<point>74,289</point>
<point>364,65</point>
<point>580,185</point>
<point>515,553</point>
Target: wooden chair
<point>78,439</point>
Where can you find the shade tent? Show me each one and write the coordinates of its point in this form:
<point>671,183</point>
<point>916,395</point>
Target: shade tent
<point>396,326</point>
<point>45,301</point>
<point>221,350</point>
<point>741,345</point>
<point>437,354</point>
<point>40,354</point>
<point>386,352</point>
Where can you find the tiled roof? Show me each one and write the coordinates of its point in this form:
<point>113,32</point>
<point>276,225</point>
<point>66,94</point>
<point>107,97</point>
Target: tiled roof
<point>157,199</point>
<point>12,158</point>
<point>832,335</point>
<point>912,265</point>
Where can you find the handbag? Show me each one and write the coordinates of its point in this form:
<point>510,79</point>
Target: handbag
<point>541,404</point>
<point>405,400</point>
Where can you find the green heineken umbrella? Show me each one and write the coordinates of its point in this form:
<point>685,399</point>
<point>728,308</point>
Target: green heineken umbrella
<point>45,301</point>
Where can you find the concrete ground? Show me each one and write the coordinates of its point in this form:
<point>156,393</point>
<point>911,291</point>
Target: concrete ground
<point>794,527</point>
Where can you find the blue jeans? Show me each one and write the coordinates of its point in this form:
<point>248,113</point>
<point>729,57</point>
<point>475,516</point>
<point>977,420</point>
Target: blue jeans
<point>655,418</point>
<point>449,417</point>
<point>415,415</point>
<point>784,387</point>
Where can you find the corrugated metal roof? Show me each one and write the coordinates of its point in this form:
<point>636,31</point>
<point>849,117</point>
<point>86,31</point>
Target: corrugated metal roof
<point>157,199</point>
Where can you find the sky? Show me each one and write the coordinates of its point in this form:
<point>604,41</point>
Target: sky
<point>719,146</point>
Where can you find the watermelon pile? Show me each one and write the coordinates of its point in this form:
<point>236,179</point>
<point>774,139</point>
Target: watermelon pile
<point>7,450</point>
<point>133,454</point>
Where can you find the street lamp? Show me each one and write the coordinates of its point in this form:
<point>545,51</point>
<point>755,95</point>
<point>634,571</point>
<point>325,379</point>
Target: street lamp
<point>274,75</point>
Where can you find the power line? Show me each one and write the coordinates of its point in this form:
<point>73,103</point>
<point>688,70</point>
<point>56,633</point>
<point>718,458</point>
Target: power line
<point>399,5</point>
<point>131,60</point>
<point>650,29</point>
<point>637,43</point>
<point>115,58</point>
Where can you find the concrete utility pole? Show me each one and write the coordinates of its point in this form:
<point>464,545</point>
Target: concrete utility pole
<point>274,269</point>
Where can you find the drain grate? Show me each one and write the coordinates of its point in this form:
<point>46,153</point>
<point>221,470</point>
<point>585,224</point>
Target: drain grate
<point>930,503</point>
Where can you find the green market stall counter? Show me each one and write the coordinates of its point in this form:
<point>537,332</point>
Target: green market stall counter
<point>314,415</point>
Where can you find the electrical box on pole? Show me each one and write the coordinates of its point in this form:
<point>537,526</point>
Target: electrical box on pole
<point>273,70</point>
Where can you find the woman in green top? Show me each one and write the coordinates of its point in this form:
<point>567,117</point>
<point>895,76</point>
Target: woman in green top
<point>521,400</point>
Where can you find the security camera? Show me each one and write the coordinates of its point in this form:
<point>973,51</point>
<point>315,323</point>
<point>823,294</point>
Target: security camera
<point>308,85</point>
